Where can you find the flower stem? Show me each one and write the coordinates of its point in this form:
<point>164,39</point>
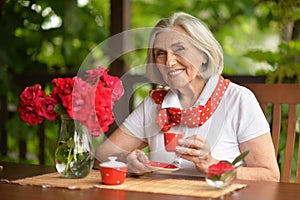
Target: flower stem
<point>69,160</point>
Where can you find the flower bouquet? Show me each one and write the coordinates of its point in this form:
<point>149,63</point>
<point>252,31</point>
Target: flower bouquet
<point>223,173</point>
<point>84,105</point>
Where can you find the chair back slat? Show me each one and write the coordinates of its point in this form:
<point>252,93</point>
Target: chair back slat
<point>298,165</point>
<point>276,126</point>
<point>275,96</point>
<point>264,107</point>
<point>290,144</point>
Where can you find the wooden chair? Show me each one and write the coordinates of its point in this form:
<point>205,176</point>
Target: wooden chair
<point>272,97</point>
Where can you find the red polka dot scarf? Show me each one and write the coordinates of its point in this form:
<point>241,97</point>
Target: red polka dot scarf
<point>192,117</point>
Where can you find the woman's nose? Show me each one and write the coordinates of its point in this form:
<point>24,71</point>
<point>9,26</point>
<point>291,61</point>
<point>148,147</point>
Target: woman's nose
<point>171,59</point>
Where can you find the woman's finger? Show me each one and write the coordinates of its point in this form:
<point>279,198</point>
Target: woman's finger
<point>142,157</point>
<point>136,163</point>
<point>194,142</point>
<point>187,151</point>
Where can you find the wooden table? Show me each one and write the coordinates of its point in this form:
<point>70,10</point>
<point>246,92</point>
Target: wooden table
<point>255,190</point>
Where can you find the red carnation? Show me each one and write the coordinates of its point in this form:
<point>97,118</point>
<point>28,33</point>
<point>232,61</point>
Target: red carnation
<point>31,93</point>
<point>83,101</point>
<point>63,87</point>
<point>45,107</point>
<point>219,169</point>
<point>28,113</point>
<point>94,75</point>
<point>115,84</point>
<point>28,108</point>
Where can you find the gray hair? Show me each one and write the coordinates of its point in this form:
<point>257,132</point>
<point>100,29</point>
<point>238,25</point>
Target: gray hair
<point>202,37</point>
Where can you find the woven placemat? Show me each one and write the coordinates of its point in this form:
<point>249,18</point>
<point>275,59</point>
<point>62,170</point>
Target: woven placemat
<point>195,188</point>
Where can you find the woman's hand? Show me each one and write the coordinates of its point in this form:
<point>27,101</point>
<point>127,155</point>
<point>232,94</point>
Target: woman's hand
<point>196,150</point>
<point>136,161</point>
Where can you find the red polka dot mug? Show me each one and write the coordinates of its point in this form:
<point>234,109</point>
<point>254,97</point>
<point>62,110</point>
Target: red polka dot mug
<point>171,140</point>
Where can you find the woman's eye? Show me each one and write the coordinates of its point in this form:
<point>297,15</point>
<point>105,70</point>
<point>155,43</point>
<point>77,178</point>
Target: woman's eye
<point>160,53</point>
<point>179,49</point>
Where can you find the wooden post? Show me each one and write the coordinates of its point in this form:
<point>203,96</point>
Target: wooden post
<point>41,134</point>
<point>120,21</point>
<point>3,120</point>
<point>1,6</point>
<point>22,149</point>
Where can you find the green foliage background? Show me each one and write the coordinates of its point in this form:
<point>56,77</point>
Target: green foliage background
<point>52,38</point>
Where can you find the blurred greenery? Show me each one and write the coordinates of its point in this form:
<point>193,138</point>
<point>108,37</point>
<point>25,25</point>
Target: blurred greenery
<point>38,38</point>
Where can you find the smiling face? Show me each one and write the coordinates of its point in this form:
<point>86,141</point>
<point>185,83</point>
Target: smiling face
<point>177,59</point>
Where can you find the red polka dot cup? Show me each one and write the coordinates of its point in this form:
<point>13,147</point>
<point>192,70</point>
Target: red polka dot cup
<point>171,141</point>
<point>113,172</point>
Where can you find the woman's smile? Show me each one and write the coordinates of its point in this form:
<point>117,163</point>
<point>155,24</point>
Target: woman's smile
<point>175,73</point>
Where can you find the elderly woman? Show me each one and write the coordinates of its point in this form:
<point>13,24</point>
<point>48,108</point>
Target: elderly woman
<point>224,119</point>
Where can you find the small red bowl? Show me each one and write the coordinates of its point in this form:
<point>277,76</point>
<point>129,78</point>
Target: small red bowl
<point>113,172</point>
<point>113,176</point>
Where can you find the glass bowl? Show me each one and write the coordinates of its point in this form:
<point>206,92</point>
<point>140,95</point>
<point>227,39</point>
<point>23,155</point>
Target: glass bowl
<point>221,181</point>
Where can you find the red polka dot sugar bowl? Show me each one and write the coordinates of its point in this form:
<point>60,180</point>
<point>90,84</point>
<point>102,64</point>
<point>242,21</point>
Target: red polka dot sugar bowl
<point>113,172</point>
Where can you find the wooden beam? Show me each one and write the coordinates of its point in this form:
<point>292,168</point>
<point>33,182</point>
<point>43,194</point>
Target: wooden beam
<point>120,16</point>
<point>1,7</point>
<point>119,21</point>
<point>3,119</point>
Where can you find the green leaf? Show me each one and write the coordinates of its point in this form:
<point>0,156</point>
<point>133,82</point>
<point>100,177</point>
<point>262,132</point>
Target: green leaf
<point>240,157</point>
<point>60,109</point>
<point>227,175</point>
<point>226,161</point>
<point>61,153</point>
<point>215,178</point>
<point>70,143</point>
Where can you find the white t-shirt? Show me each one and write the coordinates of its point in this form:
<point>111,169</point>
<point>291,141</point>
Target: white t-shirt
<point>237,119</point>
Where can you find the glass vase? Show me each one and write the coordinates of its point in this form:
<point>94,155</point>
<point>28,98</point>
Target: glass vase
<point>74,153</point>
